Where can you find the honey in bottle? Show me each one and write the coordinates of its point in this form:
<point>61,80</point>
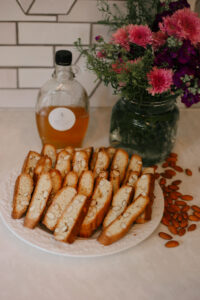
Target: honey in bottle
<point>62,106</point>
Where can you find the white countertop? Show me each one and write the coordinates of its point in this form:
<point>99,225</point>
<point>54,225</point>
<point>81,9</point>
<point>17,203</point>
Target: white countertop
<point>148,271</point>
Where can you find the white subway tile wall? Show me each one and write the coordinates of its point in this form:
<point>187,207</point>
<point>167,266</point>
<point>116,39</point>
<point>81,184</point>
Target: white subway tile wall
<point>31,31</point>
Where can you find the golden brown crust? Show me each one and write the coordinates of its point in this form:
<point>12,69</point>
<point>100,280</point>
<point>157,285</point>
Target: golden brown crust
<point>115,180</point>
<point>63,162</point>
<point>89,225</point>
<point>86,183</point>
<point>80,162</point>
<point>70,179</point>
<point>30,162</point>
<point>16,212</point>
<point>50,151</point>
<point>120,162</point>
<point>44,165</point>
<point>108,237</point>
<point>102,162</point>
<point>38,201</point>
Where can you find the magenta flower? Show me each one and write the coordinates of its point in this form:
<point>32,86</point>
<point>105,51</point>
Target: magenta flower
<point>160,80</point>
<point>159,39</point>
<point>183,24</point>
<point>140,35</point>
<point>121,37</point>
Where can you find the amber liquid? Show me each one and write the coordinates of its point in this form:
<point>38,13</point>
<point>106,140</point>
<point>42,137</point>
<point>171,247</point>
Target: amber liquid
<point>60,139</point>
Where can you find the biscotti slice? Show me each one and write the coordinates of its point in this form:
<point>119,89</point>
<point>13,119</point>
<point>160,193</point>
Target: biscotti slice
<point>102,162</point>
<point>135,165</point>
<point>39,199</point>
<point>111,152</point>
<point>56,180</point>
<point>86,183</point>
<point>102,174</point>
<point>70,150</point>
<point>132,178</point>
<point>98,208</point>
<point>143,186</point>
<point>30,163</point>
<point>63,163</point>
<point>119,203</point>
<point>120,162</point>
<point>146,215</point>
<point>62,198</point>
<point>94,158</point>
<point>44,165</point>
<point>115,180</point>
<point>69,224</point>
<point>118,228</point>
<point>89,151</point>
<point>50,151</point>
<point>71,179</point>
<point>80,162</point>
<point>22,195</point>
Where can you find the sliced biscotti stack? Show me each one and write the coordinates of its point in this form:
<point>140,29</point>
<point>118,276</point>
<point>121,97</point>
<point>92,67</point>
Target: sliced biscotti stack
<point>119,203</point>
<point>62,198</point>
<point>38,201</point>
<point>102,162</point>
<point>100,203</point>
<point>22,195</point>
<point>80,162</point>
<point>120,226</point>
<point>63,163</point>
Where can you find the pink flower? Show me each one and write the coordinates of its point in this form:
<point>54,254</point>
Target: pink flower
<point>101,54</point>
<point>121,37</point>
<point>160,80</point>
<point>159,39</point>
<point>183,24</point>
<point>140,35</point>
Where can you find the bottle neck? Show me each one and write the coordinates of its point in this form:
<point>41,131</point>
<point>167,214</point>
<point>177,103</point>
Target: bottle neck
<point>63,73</point>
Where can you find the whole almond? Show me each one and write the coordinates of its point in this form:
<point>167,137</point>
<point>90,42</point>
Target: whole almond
<point>173,196</point>
<point>194,218</point>
<point>162,181</point>
<point>172,229</point>
<point>172,154</point>
<point>196,213</point>
<point>192,227</point>
<point>196,208</point>
<point>181,231</point>
<point>165,236</point>
<point>178,169</point>
<point>172,244</point>
<point>169,159</point>
<point>165,221</point>
<point>170,172</point>
<point>184,223</point>
<point>175,223</point>
<point>180,203</point>
<point>185,215</point>
<point>187,197</point>
<point>188,172</point>
<point>165,165</point>
<point>173,187</point>
<point>185,208</point>
<point>176,182</point>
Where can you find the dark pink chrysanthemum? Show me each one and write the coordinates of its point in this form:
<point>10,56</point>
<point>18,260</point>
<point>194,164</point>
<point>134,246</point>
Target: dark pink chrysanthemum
<point>159,39</point>
<point>183,24</point>
<point>140,35</point>
<point>121,37</point>
<point>160,80</point>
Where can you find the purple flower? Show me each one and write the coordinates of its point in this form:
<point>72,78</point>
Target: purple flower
<point>188,98</point>
<point>186,53</point>
<point>98,38</point>
<point>177,77</point>
<point>178,5</point>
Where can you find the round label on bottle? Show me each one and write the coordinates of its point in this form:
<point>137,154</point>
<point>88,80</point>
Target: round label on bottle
<point>62,118</point>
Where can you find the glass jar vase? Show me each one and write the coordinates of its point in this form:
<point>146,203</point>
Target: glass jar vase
<point>148,128</point>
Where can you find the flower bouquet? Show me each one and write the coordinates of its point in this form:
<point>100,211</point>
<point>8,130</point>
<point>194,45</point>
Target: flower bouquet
<point>153,57</point>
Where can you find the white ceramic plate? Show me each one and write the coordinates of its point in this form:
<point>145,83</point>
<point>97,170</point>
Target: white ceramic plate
<point>43,240</point>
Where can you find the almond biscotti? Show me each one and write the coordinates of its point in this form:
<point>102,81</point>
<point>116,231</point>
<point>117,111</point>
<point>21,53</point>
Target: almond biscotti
<point>44,165</point>
<point>22,195</point>
<point>118,228</point>
<point>63,162</point>
<point>30,163</point>
<point>86,183</point>
<point>70,179</point>
<point>39,199</point>
<point>99,206</point>
<point>80,162</point>
<point>102,162</point>
<point>50,151</point>
<point>62,198</point>
<point>69,224</point>
<point>119,203</point>
<point>120,162</point>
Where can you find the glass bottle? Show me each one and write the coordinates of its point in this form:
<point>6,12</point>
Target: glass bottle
<point>148,128</point>
<point>62,106</point>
